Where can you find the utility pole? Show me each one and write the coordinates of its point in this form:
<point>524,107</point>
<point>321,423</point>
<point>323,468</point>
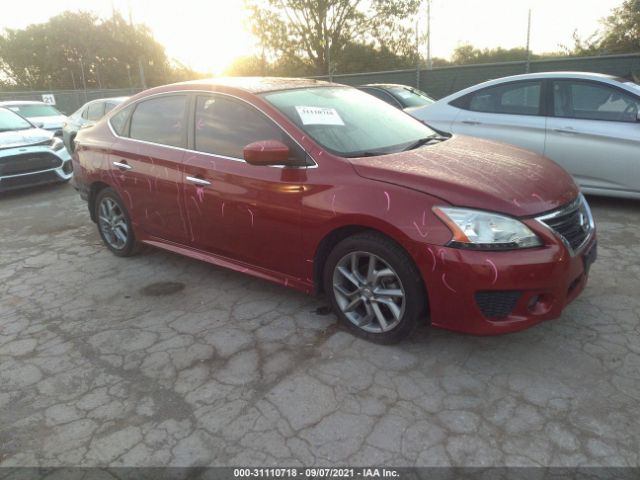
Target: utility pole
<point>84,83</point>
<point>73,78</point>
<point>143,83</point>
<point>429,62</point>
<point>329,62</point>
<point>528,67</point>
<point>129,75</point>
<point>417,54</point>
<point>327,45</point>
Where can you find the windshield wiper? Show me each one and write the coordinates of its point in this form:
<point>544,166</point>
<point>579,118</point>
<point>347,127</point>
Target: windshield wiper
<point>365,154</point>
<point>424,141</point>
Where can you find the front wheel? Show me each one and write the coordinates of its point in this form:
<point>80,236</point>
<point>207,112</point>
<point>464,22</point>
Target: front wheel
<point>114,224</point>
<point>374,287</point>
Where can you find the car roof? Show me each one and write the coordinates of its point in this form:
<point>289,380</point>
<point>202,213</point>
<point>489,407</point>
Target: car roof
<point>115,99</point>
<point>250,84</point>
<point>385,85</point>
<point>592,75</point>
<point>530,76</point>
<point>108,99</point>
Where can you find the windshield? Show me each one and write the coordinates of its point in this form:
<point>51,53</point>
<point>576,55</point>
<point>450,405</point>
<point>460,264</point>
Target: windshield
<point>410,97</point>
<point>349,122</point>
<point>10,121</point>
<point>35,110</point>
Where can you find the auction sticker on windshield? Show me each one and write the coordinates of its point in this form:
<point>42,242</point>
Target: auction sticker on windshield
<point>319,116</point>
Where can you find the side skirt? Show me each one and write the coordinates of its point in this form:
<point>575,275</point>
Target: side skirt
<point>265,274</point>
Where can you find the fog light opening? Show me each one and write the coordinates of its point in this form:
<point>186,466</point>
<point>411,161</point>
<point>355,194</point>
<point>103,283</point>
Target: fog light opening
<point>533,302</point>
<point>540,304</point>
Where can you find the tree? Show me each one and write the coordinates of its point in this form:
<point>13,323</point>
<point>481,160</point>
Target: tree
<point>315,31</point>
<point>76,49</point>
<point>356,57</point>
<point>467,54</point>
<point>622,29</point>
<point>620,34</point>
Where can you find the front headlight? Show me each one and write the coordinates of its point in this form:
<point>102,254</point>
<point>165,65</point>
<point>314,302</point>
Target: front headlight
<point>56,144</point>
<point>478,230</point>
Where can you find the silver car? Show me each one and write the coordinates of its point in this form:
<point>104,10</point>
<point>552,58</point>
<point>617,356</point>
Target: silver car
<point>87,115</point>
<point>587,122</point>
<point>30,156</point>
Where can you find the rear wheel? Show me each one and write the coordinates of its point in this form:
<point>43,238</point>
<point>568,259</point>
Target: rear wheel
<point>114,224</point>
<point>374,287</point>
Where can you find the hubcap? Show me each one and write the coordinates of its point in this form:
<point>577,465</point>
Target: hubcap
<point>112,223</point>
<point>369,292</point>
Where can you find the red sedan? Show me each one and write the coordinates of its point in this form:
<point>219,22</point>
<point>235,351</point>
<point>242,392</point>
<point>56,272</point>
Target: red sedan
<point>323,188</point>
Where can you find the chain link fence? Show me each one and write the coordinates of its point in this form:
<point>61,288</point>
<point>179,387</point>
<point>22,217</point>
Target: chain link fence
<point>439,82</point>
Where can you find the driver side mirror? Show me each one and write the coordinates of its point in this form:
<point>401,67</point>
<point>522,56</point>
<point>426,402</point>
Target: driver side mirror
<point>266,152</point>
<point>38,124</point>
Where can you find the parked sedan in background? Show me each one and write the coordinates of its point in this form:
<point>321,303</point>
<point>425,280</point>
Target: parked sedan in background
<point>319,187</point>
<point>87,115</point>
<point>400,96</point>
<point>589,123</point>
<point>40,114</point>
<point>28,155</point>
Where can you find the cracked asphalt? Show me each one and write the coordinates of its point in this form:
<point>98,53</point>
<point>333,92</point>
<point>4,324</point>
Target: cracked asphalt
<point>162,360</point>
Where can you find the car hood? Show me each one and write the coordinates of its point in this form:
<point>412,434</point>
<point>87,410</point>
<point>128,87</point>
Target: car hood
<point>23,138</point>
<point>475,173</point>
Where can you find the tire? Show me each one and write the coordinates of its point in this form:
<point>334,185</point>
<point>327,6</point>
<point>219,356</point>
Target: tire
<point>384,306</point>
<point>114,224</point>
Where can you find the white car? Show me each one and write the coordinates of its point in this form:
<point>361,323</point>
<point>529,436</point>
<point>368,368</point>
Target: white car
<point>40,114</point>
<point>587,122</point>
<point>30,156</point>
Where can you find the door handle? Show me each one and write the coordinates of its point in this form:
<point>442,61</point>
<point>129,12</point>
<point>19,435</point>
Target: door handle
<point>471,122</point>
<point>122,165</point>
<point>568,130</point>
<point>198,181</point>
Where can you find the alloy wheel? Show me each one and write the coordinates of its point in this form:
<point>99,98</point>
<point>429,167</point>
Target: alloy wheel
<point>112,223</point>
<point>369,292</point>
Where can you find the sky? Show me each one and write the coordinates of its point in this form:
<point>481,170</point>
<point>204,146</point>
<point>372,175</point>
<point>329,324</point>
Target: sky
<point>208,34</point>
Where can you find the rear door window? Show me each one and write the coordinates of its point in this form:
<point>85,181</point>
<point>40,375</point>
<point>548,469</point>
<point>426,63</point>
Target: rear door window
<point>518,98</point>
<point>108,106</point>
<point>95,111</point>
<point>160,120</point>
<point>120,121</point>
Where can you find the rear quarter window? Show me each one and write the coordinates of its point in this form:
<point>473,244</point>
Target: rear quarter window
<point>120,121</point>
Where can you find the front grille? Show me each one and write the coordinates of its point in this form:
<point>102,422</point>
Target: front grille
<point>22,181</point>
<point>573,223</point>
<point>28,162</point>
<point>497,304</point>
